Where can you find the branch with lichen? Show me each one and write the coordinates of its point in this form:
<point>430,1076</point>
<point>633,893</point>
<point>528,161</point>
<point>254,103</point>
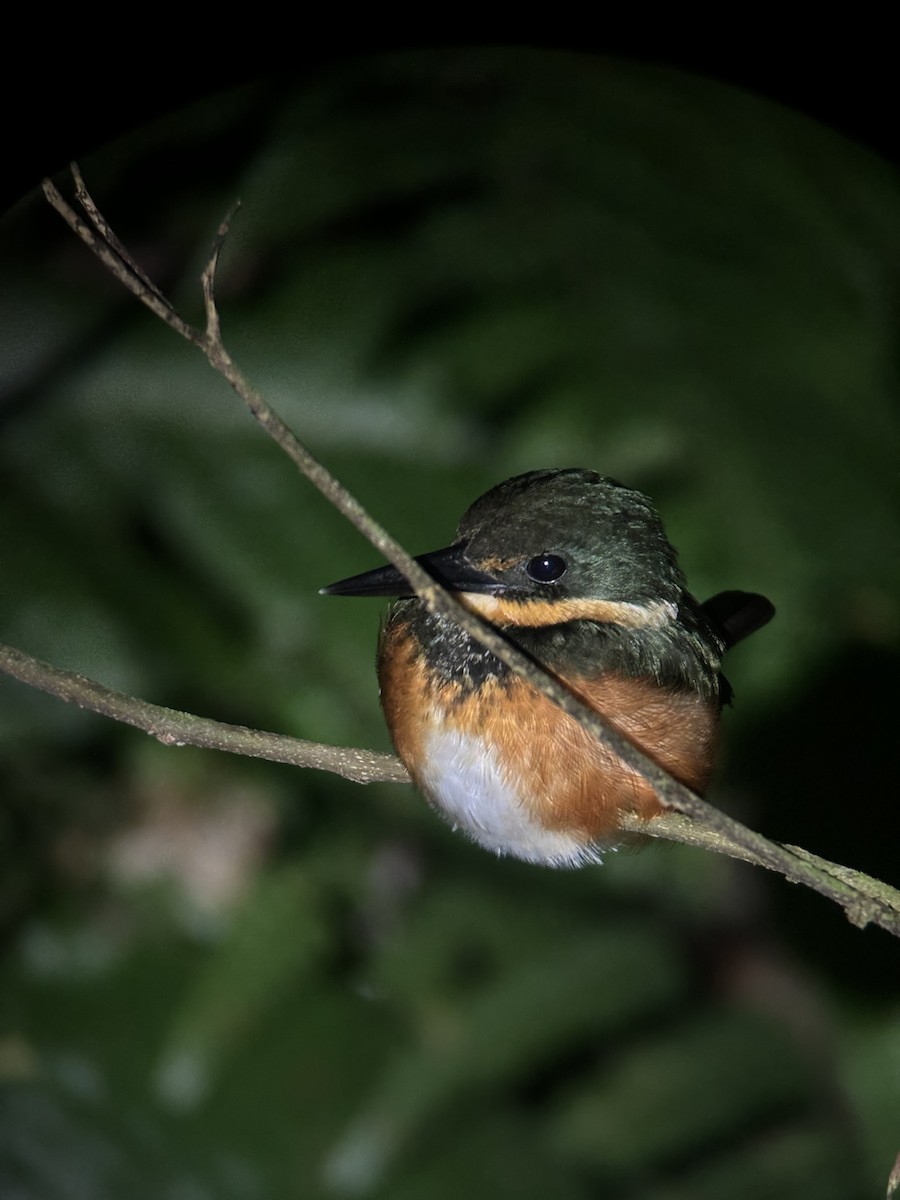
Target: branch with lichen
<point>690,819</point>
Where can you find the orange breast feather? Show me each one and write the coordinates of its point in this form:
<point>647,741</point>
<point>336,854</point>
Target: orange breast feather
<point>567,783</point>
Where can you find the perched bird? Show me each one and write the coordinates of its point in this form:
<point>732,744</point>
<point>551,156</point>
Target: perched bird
<point>576,570</point>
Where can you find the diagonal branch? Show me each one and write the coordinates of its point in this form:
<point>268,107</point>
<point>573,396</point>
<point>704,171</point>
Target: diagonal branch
<point>863,899</point>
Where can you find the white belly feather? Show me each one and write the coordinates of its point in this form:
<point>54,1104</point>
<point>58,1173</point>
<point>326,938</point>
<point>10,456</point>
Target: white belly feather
<point>466,782</point>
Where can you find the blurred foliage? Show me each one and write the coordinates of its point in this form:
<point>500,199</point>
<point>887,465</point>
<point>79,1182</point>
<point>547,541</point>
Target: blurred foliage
<point>229,979</point>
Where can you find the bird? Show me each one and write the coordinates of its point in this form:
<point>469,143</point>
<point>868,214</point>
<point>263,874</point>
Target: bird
<point>575,569</point>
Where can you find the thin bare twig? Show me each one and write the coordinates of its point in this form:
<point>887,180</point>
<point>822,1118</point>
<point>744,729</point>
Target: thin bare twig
<point>174,728</point>
<point>108,237</point>
<point>118,264</point>
<point>863,899</point>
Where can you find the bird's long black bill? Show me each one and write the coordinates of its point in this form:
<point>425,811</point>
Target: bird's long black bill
<point>738,614</point>
<point>448,566</point>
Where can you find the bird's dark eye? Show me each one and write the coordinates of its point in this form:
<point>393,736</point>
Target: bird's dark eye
<point>546,568</point>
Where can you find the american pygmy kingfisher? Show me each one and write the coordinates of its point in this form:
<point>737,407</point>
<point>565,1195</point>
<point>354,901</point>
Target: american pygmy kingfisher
<point>576,570</point>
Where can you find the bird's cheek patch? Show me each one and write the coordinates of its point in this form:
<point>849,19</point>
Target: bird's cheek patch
<point>504,610</point>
